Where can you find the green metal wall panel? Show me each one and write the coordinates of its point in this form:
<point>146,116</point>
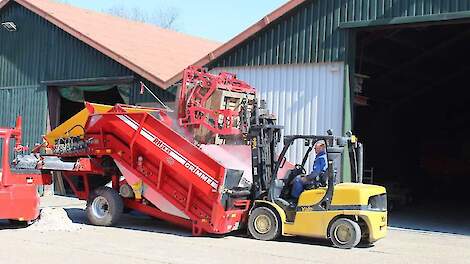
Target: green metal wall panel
<point>30,103</point>
<point>39,51</point>
<point>163,95</point>
<point>310,33</point>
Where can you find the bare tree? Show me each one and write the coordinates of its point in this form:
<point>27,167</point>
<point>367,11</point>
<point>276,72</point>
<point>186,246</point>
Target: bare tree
<point>64,1</point>
<point>165,18</point>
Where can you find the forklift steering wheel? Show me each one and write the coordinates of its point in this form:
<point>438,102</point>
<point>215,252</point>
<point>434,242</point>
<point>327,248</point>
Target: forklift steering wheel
<point>300,168</point>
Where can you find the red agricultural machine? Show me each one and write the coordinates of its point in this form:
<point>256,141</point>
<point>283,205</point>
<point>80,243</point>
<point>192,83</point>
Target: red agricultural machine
<point>172,170</point>
<point>19,199</point>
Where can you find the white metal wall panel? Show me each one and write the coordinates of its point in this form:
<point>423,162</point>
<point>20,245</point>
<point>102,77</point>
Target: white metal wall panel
<point>307,98</point>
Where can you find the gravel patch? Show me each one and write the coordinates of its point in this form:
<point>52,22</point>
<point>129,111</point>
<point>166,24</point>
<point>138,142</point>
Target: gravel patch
<point>54,219</point>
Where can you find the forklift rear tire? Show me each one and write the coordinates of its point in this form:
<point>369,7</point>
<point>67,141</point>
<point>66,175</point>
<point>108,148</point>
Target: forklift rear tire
<point>263,224</point>
<point>105,207</point>
<point>345,233</point>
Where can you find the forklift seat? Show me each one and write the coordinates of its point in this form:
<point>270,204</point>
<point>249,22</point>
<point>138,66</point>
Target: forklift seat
<point>311,186</point>
<point>316,184</point>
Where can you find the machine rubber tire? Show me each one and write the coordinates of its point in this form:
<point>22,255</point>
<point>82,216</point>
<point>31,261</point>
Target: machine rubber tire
<point>18,223</point>
<point>126,210</point>
<point>105,207</point>
<point>353,236</point>
<point>263,224</point>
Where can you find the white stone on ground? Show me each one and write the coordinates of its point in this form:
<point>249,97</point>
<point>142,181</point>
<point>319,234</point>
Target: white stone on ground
<point>54,219</point>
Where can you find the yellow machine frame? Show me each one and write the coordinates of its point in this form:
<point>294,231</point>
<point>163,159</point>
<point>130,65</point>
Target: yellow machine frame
<point>315,223</point>
<point>73,127</point>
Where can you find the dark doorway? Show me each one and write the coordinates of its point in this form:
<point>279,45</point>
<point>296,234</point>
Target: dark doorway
<point>63,104</point>
<point>413,115</point>
<point>69,108</point>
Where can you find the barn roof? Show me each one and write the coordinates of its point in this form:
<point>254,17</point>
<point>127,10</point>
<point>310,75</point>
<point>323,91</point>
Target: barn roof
<point>251,31</point>
<point>157,54</point>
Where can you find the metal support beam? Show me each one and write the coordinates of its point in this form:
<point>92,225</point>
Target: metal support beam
<point>455,17</point>
<point>91,81</point>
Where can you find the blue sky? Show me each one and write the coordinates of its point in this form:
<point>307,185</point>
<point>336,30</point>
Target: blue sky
<point>211,19</point>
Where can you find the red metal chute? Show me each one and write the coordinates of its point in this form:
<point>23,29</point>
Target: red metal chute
<point>181,183</point>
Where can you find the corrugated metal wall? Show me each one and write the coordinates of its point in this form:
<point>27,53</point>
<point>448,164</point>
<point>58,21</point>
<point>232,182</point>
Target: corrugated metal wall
<point>307,98</point>
<point>163,95</point>
<point>39,51</point>
<point>310,33</point>
<point>34,115</point>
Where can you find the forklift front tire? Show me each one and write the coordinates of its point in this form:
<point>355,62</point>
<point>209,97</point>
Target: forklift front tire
<point>345,233</point>
<point>105,207</point>
<point>263,224</point>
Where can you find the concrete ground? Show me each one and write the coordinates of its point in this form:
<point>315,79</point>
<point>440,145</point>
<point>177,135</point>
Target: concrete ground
<point>139,239</point>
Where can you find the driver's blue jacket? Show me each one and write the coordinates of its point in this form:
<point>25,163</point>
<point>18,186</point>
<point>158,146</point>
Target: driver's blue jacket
<point>320,165</point>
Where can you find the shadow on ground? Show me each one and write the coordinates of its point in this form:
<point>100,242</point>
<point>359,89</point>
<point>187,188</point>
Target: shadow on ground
<point>438,217</point>
<point>141,222</point>
<point>8,225</point>
<point>418,218</point>
<point>133,221</point>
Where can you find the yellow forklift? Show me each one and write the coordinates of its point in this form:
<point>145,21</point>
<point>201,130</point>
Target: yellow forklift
<point>344,213</point>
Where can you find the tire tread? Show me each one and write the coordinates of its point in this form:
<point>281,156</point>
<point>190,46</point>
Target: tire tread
<point>116,206</point>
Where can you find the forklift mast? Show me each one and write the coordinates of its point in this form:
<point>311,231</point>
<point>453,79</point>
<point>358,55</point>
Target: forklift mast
<point>264,135</point>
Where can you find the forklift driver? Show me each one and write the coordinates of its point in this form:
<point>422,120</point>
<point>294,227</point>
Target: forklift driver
<point>320,166</point>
